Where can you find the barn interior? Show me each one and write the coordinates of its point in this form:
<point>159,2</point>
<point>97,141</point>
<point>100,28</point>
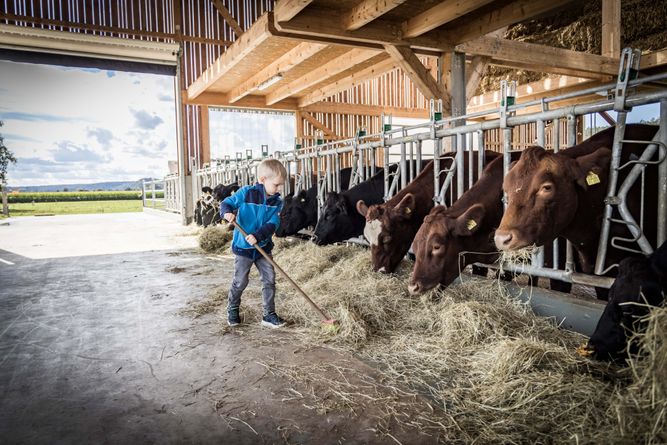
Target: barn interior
<point>134,345</point>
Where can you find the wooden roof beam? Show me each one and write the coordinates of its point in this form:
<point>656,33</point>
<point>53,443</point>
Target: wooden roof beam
<point>250,101</point>
<point>243,46</point>
<point>367,11</point>
<point>318,75</point>
<point>418,74</point>
<point>550,70</point>
<point>327,24</point>
<point>506,15</point>
<point>328,134</point>
<point>354,79</point>
<point>438,15</point>
<point>474,74</point>
<point>224,12</point>
<point>540,55</point>
<point>283,64</point>
<point>286,9</point>
<point>366,110</point>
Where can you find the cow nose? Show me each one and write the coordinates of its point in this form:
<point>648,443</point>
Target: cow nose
<point>502,240</point>
<point>382,270</point>
<point>414,289</point>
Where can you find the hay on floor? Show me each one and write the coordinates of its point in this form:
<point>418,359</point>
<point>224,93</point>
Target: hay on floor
<point>215,239</point>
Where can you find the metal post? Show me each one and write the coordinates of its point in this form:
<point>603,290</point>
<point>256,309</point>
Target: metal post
<point>481,154</point>
<point>404,165</point>
<point>411,159</point>
<point>419,155</point>
<point>460,165</point>
<point>571,130</point>
<point>662,179</point>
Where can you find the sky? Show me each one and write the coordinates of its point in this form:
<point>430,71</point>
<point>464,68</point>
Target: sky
<point>76,125</point>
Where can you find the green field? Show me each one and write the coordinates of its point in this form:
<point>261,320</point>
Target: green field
<point>74,207</point>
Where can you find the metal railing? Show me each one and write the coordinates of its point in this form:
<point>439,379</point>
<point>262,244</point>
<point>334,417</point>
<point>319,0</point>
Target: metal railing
<point>162,194</point>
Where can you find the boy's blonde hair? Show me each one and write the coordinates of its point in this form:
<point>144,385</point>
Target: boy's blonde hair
<point>270,168</point>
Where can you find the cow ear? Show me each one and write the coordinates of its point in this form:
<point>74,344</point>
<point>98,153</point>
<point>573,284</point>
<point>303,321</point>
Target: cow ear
<point>591,167</point>
<point>362,208</point>
<point>470,221</point>
<point>407,206</point>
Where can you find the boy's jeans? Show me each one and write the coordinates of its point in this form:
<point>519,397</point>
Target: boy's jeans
<point>242,267</point>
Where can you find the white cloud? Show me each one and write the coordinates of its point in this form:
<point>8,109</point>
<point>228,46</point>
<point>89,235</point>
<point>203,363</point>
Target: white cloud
<point>85,125</point>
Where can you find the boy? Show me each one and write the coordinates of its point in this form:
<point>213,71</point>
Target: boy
<point>258,214</point>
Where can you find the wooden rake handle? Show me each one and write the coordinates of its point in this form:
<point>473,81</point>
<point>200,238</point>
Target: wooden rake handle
<point>325,318</point>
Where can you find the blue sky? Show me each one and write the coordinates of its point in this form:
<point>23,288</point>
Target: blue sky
<point>73,125</point>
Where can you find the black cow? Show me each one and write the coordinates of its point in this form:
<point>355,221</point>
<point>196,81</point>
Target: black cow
<point>300,211</point>
<point>204,206</point>
<point>641,283</point>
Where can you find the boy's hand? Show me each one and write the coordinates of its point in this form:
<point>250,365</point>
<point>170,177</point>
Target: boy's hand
<point>229,217</point>
<point>251,239</point>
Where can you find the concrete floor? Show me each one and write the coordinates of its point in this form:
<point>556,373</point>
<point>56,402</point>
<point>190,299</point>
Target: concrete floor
<point>95,346</point>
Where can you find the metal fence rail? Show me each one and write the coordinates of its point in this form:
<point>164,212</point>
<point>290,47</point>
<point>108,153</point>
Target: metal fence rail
<point>168,188</point>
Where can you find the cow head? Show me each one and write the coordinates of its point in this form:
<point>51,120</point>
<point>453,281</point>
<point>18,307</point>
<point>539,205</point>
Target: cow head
<point>636,287</point>
<point>438,244</point>
<point>294,215</point>
<point>542,192</point>
<point>389,231</point>
<point>337,220</point>
<point>222,191</point>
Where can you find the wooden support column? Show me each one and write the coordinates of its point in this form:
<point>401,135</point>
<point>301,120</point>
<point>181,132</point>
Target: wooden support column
<point>474,75</point>
<point>204,135</point>
<point>611,28</point>
<point>299,125</point>
<point>458,85</point>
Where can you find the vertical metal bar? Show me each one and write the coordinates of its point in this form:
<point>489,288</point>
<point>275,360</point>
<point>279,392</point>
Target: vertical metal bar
<point>411,160</point>
<point>436,170</point>
<point>571,130</point>
<point>481,154</point>
<point>404,165</point>
<point>386,173</point>
<point>540,132</point>
<point>662,179</point>
<point>460,165</point>
<point>507,156</point>
<point>419,155</point>
<point>556,135</point>
<point>471,162</point>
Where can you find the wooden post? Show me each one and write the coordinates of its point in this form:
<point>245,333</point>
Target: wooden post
<point>611,28</point>
<point>204,135</point>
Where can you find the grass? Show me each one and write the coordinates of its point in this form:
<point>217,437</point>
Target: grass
<point>74,207</point>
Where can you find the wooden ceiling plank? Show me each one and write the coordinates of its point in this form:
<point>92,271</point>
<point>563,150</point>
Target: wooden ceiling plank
<point>367,11</point>
<point>418,74</point>
<point>326,24</point>
<point>653,59</point>
<point>224,12</point>
<point>550,70</point>
<point>361,76</point>
<point>506,15</point>
<point>438,15</point>
<point>283,64</point>
<point>330,69</point>
<point>539,55</point>
<point>287,9</point>
<point>245,44</point>
<point>251,101</point>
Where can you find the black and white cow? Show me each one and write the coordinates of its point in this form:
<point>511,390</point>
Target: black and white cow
<point>640,284</point>
<point>204,206</point>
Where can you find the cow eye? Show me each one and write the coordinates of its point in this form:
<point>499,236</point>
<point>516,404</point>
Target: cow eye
<point>546,188</point>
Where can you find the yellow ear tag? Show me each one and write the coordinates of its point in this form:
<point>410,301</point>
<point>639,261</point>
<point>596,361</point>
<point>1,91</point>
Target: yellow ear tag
<point>303,200</point>
<point>408,211</point>
<point>471,224</point>
<point>592,179</point>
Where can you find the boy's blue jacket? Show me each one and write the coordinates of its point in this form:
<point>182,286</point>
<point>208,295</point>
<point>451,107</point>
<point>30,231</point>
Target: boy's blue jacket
<point>257,214</point>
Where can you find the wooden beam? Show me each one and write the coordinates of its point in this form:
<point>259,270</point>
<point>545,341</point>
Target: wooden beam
<point>350,81</point>
<point>539,55</point>
<point>438,15</point>
<point>366,110</point>
<point>653,59</point>
<point>550,70</point>
<point>299,124</point>
<point>474,74</point>
<point>367,11</point>
<point>326,24</point>
<point>252,102</point>
<point>417,73</point>
<point>318,75</point>
<point>607,117</point>
<point>204,135</point>
<point>611,28</point>
<point>508,14</point>
<point>228,17</point>
<point>328,134</point>
<point>245,44</point>
<point>281,65</point>
<point>287,9</point>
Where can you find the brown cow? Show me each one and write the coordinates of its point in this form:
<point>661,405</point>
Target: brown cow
<point>391,227</point>
<point>467,225</point>
<point>563,194</point>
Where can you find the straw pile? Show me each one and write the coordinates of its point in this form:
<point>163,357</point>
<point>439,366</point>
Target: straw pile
<point>215,239</point>
<point>465,365</point>
<point>643,25</point>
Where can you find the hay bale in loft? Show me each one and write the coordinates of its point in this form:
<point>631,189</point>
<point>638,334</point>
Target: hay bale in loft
<point>643,25</point>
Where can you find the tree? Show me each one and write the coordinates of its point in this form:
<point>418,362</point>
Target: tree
<point>6,156</point>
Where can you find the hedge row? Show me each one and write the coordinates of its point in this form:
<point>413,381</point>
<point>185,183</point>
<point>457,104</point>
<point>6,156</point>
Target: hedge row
<point>78,196</point>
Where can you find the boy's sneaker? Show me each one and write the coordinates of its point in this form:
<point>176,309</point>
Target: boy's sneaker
<point>233,317</point>
<point>272,320</point>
